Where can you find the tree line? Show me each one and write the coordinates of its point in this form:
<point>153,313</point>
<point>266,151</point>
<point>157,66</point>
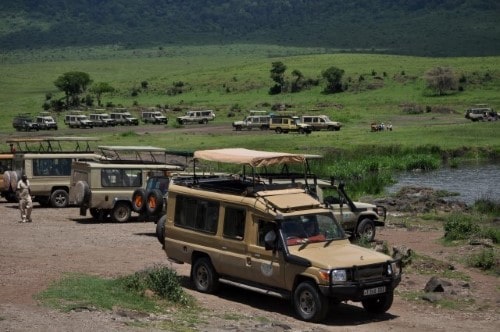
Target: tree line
<point>425,27</point>
<point>79,88</point>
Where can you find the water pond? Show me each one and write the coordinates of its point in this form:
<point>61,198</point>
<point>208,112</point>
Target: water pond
<point>471,181</point>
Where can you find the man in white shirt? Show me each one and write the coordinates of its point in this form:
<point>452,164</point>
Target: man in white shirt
<point>24,194</point>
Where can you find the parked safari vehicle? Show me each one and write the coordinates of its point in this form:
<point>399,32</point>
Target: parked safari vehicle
<point>357,218</point>
<point>24,122</point>
<point>275,239</point>
<point>105,187</point>
<point>49,168</point>
<point>78,120</point>
<point>253,121</point>
<point>124,118</point>
<point>102,120</point>
<point>201,117</point>
<point>46,122</point>
<point>481,113</point>
<point>154,117</point>
<point>319,122</point>
<point>287,123</point>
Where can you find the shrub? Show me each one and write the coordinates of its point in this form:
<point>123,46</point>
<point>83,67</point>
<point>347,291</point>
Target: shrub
<point>162,280</point>
<point>460,227</point>
<point>484,260</point>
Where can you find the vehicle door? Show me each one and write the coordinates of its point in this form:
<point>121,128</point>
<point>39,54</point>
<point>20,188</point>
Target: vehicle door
<point>232,245</point>
<point>342,211</point>
<point>263,266</point>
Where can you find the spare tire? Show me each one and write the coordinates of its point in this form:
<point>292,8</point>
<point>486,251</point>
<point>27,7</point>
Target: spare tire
<point>6,181</point>
<point>139,200</point>
<point>14,178</point>
<point>154,202</point>
<point>82,193</point>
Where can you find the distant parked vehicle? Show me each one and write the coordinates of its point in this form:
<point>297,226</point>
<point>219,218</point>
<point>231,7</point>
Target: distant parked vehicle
<point>24,122</point>
<point>319,122</point>
<point>481,113</point>
<point>78,120</point>
<point>253,121</point>
<point>124,118</point>
<point>154,117</point>
<point>287,123</point>
<point>201,117</point>
<point>102,120</point>
<point>46,122</point>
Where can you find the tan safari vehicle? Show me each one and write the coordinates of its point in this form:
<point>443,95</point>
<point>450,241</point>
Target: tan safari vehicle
<point>274,239</point>
<point>105,187</point>
<point>287,123</point>
<point>47,163</point>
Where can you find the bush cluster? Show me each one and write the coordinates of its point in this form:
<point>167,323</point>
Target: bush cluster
<point>163,281</point>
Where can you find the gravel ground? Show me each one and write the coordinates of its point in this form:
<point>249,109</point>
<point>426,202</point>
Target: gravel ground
<point>60,241</point>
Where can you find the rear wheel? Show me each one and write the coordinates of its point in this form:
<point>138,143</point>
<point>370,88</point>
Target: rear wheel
<point>121,212</point>
<point>204,276</point>
<point>278,130</point>
<point>59,198</point>
<point>310,305</point>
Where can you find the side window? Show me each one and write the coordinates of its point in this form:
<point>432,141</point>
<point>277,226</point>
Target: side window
<point>52,167</point>
<point>234,223</point>
<point>263,228</point>
<point>197,214</point>
<point>121,177</point>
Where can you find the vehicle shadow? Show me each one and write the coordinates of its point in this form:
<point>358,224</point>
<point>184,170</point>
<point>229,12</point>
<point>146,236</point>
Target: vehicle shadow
<point>343,314</point>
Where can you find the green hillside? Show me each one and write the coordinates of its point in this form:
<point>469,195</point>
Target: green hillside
<point>425,27</point>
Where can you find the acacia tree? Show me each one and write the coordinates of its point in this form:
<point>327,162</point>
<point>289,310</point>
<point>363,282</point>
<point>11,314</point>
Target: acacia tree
<point>441,80</point>
<point>73,84</point>
<point>333,77</point>
<point>278,75</point>
<point>98,89</point>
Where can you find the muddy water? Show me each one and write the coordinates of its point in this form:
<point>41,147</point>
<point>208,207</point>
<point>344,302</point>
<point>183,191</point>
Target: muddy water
<point>470,181</point>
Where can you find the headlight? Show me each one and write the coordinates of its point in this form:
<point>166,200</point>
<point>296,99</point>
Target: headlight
<point>339,275</point>
<point>393,269</point>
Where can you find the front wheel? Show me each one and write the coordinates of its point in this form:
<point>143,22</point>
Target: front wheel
<point>121,212</point>
<point>204,276</point>
<point>310,305</point>
<point>366,230</point>
<point>379,304</point>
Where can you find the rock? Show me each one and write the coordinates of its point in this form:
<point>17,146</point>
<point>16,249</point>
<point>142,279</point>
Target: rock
<point>436,284</point>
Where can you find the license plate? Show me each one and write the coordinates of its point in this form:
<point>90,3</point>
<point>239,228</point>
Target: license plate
<point>374,291</point>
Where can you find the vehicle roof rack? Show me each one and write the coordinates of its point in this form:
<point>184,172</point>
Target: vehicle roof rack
<point>140,154</point>
<point>51,144</point>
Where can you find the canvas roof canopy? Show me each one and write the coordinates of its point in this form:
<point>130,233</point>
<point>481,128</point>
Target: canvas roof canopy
<point>253,158</point>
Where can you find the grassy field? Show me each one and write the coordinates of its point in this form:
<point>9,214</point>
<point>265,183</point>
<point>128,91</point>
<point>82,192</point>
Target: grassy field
<point>222,78</point>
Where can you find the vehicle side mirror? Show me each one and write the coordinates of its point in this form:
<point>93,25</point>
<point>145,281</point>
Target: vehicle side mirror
<point>270,240</point>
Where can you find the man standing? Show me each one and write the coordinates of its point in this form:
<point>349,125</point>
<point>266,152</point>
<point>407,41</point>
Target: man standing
<point>24,195</point>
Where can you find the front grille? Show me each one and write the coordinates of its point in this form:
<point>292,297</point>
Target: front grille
<point>368,273</point>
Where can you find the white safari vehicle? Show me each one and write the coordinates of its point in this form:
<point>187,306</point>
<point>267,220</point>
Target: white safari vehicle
<point>274,239</point>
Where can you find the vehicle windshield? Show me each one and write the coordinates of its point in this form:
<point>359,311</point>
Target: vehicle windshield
<point>311,228</point>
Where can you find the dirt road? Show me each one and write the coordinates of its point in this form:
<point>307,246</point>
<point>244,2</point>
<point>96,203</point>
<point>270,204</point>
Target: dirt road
<point>60,241</point>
